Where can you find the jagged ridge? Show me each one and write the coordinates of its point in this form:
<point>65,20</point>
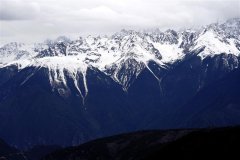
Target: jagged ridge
<point>121,56</point>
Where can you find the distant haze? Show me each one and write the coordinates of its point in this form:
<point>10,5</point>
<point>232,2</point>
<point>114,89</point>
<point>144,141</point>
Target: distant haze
<point>35,20</point>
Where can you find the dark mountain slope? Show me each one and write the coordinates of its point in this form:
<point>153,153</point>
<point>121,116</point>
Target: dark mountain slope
<point>221,143</point>
<point>39,115</point>
<point>5,149</point>
<point>36,153</point>
<point>217,104</point>
<point>32,112</point>
<point>183,144</point>
<point>183,81</point>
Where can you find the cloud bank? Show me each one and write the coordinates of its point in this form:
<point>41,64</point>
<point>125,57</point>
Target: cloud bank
<point>36,20</point>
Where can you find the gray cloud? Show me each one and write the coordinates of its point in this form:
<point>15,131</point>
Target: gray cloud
<point>36,20</point>
<point>18,10</point>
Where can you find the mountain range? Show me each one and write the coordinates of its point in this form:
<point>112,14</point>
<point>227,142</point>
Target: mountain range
<point>66,92</point>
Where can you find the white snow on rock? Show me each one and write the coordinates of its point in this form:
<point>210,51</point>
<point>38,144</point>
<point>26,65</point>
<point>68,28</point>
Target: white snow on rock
<point>215,44</point>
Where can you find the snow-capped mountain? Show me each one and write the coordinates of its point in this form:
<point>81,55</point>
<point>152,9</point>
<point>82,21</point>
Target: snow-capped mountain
<point>130,50</point>
<point>98,86</point>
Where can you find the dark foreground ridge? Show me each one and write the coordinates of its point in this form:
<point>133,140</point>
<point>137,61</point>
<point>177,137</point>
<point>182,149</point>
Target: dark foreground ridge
<point>150,145</point>
<point>36,153</point>
<point>142,145</point>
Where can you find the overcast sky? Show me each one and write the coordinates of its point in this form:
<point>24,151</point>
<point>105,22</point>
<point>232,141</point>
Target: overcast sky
<point>35,20</point>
